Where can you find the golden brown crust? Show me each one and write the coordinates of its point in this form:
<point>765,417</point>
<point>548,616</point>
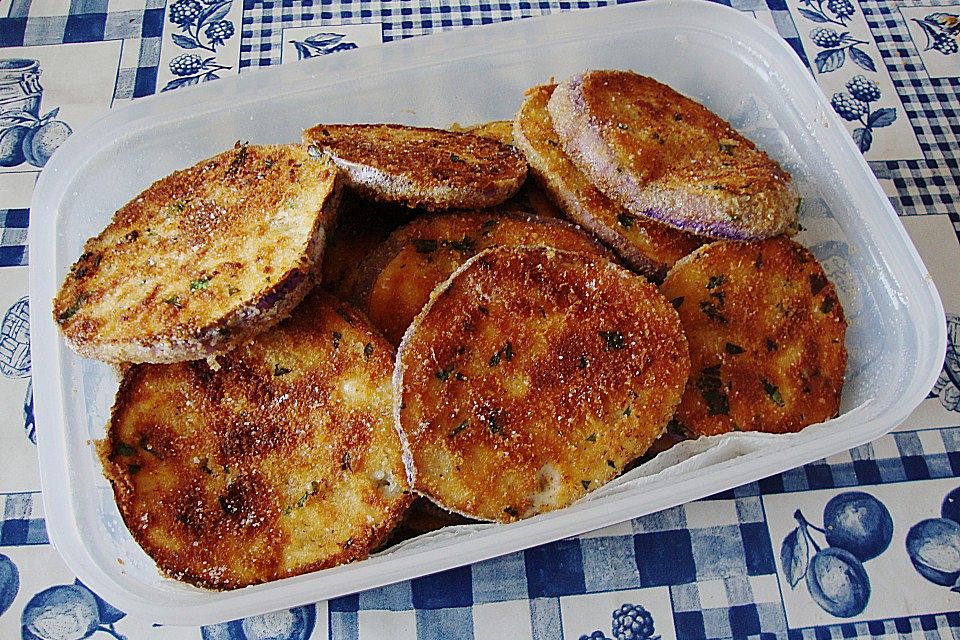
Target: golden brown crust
<point>500,130</point>
<point>282,459</point>
<point>397,278</point>
<point>203,259</point>
<point>432,169</point>
<point>533,376</point>
<point>648,246</point>
<point>662,155</point>
<point>766,334</point>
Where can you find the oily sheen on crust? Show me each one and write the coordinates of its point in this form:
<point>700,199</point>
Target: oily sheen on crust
<point>648,246</point>
<point>532,377</point>
<point>397,278</point>
<point>766,333</point>
<point>203,259</point>
<point>431,169</point>
<point>662,155</point>
<point>280,459</point>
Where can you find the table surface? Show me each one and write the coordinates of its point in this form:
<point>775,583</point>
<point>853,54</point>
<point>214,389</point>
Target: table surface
<point>714,568</point>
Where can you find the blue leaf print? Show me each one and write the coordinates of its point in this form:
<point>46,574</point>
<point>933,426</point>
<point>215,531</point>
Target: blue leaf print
<point>864,138</point>
<point>325,39</point>
<point>862,59</point>
<point>882,117</point>
<point>813,15</point>
<point>180,82</point>
<point>303,51</point>
<point>343,46</point>
<point>830,60</point>
<point>215,12</point>
<point>795,557</point>
<point>186,42</point>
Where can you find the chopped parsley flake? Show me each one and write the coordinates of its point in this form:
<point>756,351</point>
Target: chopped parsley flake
<point>713,392</point>
<point>591,438</point>
<point>444,374</point>
<point>280,370</point>
<point>424,246</point>
<point>716,281</point>
<point>733,349</point>
<point>200,283</point>
<point>124,449</point>
<point>613,340</point>
<point>772,391</point>
<point>625,221</point>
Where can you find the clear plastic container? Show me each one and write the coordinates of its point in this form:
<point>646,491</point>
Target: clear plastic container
<point>723,58</point>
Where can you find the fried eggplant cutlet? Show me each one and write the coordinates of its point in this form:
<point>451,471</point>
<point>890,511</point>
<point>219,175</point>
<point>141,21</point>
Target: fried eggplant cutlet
<point>766,334</point>
<point>530,198</point>
<point>648,246</point>
<point>664,156</point>
<point>431,169</point>
<point>281,459</point>
<point>203,259</point>
<point>397,278</point>
<point>533,376</point>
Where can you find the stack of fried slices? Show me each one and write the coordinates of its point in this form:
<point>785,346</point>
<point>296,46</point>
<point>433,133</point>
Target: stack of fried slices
<point>309,335</point>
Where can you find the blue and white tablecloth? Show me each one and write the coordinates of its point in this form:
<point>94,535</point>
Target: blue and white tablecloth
<point>735,565</point>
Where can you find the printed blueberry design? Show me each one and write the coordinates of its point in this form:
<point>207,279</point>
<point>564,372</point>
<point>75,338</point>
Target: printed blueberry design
<point>836,45</point>
<point>68,612</point>
<point>203,27</point>
<point>857,527</point>
<point>934,544</point>
<point>854,105</point>
<point>942,31</point>
<point>947,387</point>
<point>629,622</point>
<point>321,44</point>
<point>835,12</point>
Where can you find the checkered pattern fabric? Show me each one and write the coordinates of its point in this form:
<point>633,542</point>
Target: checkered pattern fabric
<point>13,237</point>
<point>22,522</point>
<point>263,22</point>
<point>715,561</point>
<point>929,186</point>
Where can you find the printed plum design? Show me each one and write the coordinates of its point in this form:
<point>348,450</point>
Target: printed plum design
<point>27,138</point>
<point>838,582</point>
<point>628,622</point>
<point>859,523</point>
<point>934,544</point>
<point>934,549</point>
<point>857,527</point>
<point>9,583</point>
<point>289,624</point>
<point>68,612</point>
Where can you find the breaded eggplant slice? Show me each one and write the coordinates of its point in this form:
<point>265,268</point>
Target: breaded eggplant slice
<point>530,198</point>
<point>501,130</point>
<point>280,460</point>
<point>533,376</point>
<point>431,169</point>
<point>362,225</point>
<point>766,334</point>
<point>203,259</point>
<point>662,155</point>
<point>648,246</point>
<point>397,278</point>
